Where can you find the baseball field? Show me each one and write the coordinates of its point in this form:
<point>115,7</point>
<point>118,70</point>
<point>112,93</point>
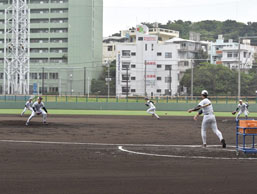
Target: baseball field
<point>117,152</point>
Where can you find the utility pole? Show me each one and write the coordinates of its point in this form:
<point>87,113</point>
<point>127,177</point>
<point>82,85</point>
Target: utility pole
<point>192,79</point>
<point>127,82</point>
<point>43,80</point>
<point>170,80</point>
<point>145,79</point>
<point>108,67</point>
<point>85,78</point>
<point>239,69</point>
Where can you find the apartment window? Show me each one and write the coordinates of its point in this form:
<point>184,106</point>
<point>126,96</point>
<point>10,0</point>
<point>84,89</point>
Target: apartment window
<point>3,2</point>
<point>39,1</point>
<point>1,75</point>
<point>152,47</point>
<point>125,77</point>
<point>125,65</point>
<point>39,40</point>
<point>39,11</point>
<point>145,47</point>
<point>42,91</point>
<point>58,60</point>
<point>167,92</point>
<point>36,21</point>
<point>229,55</point>
<point>59,30</point>
<point>140,39</point>
<point>159,66</point>
<point>39,60</point>
<point>59,10</point>
<point>133,54</point>
<point>158,90</point>
<point>168,55</point>
<point>133,78</point>
<point>53,89</point>
<point>43,30</point>
<point>53,76</point>
<point>159,54</point>
<point>133,66</point>
<point>126,53</point>
<point>245,54</point>
<point>39,50</point>
<point>59,20</point>
<point>33,75</point>
<point>59,1</point>
<point>168,67</point>
<point>1,21</point>
<point>58,40</point>
<point>159,78</point>
<point>59,50</point>
<point>110,48</point>
<point>133,90</point>
<point>45,76</point>
<point>125,89</point>
<point>168,79</point>
<point>235,55</point>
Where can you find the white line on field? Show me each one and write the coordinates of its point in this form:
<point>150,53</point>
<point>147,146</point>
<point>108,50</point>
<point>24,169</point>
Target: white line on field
<point>185,157</point>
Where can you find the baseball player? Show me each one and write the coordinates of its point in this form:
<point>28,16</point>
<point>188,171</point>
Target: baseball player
<point>152,108</point>
<point>205,107</point>
<point>38,109</point>
<point>241,108</point>
<point>28,106</point>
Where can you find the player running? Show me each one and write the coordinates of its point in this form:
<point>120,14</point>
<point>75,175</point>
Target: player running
<point>28,106</point>
<point>241,108</point>
<point>38,109</point>
<point>152,108</point>
<point>206,108</point>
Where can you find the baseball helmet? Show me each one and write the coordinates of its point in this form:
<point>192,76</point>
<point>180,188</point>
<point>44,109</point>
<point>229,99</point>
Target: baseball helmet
<point>40,98</point>
<point>146,98</point>
<point>204,93</point>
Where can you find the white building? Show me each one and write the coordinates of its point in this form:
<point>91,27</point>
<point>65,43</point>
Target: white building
<point>226,53</point>
<point>146,68</point>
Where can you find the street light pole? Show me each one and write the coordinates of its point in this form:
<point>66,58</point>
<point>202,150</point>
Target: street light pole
<point>239,69</point>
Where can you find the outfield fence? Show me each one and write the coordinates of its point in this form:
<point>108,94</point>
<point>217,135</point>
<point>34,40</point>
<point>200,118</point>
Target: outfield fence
<point>138,99</point>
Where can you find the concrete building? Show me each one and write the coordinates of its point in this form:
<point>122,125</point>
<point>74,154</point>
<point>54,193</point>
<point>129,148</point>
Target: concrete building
<point>226,53</point>
<point>65,44</point>
<point>109,43</point>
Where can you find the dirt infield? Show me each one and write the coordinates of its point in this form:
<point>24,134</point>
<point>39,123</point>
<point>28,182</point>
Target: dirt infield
<point>80,154</point>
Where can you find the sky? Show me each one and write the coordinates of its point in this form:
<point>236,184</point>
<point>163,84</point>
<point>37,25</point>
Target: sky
<point>123,14</point>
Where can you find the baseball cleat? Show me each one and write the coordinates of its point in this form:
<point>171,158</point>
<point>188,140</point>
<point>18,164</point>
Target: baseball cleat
<point>45,123</point>
<point>223,143</point>
<point>204,146</point>
<point>27,124</point>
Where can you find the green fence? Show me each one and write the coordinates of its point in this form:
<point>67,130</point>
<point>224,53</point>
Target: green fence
<point>104,99</point>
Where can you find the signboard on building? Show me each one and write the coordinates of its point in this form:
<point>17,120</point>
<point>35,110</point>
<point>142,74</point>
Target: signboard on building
<point>35,88</point>
<point>142,29</point>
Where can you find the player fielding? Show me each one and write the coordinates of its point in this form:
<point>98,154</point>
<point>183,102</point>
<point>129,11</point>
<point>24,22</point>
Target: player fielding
<point>28,106</point>
<point>205,107</point>
<point>241,108</point>
<point>38,109</point>
<point>152,108</point>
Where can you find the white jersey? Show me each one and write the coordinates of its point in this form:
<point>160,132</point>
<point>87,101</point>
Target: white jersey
<point>208,110</point>
<point>37,107</point>
<point>28,104</point>
<point>150,104</point>
<point>242,107</point>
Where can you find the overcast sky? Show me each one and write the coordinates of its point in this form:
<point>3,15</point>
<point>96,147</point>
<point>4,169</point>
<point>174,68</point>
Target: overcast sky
<point>122,14</point>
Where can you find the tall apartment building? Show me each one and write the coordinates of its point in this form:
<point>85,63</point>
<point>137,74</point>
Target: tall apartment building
<point>226,53</point>
<point>65,44</point>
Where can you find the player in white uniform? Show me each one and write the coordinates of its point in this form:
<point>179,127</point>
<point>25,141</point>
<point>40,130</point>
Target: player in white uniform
<point>151,110</point>
<point>241,108</point>
<point>209,119</point>
<point>28,106</point>
<point>38,109</point>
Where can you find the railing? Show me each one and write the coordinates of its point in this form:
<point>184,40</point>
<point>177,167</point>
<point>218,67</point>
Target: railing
<point>138,99</point>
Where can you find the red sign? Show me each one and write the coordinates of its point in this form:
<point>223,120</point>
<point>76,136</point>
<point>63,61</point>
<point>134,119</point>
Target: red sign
<point>148,38</point>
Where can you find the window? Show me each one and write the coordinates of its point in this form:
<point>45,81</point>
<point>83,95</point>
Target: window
<point>133,90</point>
<point>33,75</point>
<point>39,40</point>
<point>167,92</point>
<point>59,20</point>
<point>145,47</point>
<point>41,30</point>
<point>126,53</point>
<point>235,55</point>
<point>58,40</point>
<point>159,66</point>
<point>152,47</point>
<point>39,50</point>
<point>61,10</point>
<point>229,55</point>
<point>109,48</point>
<point>1,75</point>
<point>125,89</point>
<point>168,79</point>
<point>133,66</point>
<point>245,54</point>
<point>159,78</point>
<point>44,90</point>
<point>168,67</point>
<point>59,30</point>
<point>53,76</point>
<point>59,1</point>
<point>125,65</point>
<point>45,76</point>
<point>125,78</point>
<point>59,50</point>
<point>36,21</point>
<point>133,54</point>
<point>39,1</point>
<point>40,11</point>
<point>133,78</point>
<point>159,54</point>
<point>39,60</point>
<point>168,55</point>
<point>158,90</point>
<point>140,39</point>
<point>53,90</point>
<point>58,60</point>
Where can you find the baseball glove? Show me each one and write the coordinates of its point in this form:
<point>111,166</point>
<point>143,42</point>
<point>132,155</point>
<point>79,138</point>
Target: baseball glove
<point>234,112</point>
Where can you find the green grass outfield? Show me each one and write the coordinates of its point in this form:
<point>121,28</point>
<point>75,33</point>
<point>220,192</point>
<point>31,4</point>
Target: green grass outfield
<point>118,112</point>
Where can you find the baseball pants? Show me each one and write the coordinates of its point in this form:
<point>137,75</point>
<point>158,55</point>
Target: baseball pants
<point>240,112</point>
<point>38,113</point>
<point>152,112</point>
<point>25,109</point>
<point>210,120</point>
